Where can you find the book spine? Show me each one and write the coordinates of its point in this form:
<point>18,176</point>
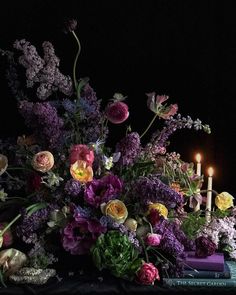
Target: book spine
<point>199,282</point>
<point>207,275</point>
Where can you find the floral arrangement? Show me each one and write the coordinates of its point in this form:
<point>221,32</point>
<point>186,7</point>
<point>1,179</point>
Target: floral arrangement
<point>62,187</point>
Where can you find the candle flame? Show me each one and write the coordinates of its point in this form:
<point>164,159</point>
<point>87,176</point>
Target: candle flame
<point>210,171</point>
<point>198,157</point>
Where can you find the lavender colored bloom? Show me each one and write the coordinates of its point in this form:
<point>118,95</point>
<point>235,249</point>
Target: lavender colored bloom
<point>102,190</point>
<point>152,189</point>
<point>69,106</point>
<point>89,106</point>
<point>129,148</point>
<point>30,224</point>
<point>43,118</point>
<point>79,235</point>
<point>160,139</point>
<point>73,187</point>
<point>43,71</point>
<point>80,212</point>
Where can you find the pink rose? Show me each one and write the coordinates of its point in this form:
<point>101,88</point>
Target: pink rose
<point>117,112</point>
<point>7,238</point>
<point>43,161</point>
<point>83,153</point>
<point>147,274</point>
<point>153,239</point>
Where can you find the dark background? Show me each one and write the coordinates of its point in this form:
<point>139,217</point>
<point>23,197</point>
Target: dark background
<point>185,49</point>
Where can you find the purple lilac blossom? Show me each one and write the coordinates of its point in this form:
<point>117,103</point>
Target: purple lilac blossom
<point>102,190</point>
<point>152,189</point>
<point>72,187</point>
<point>42,117</point>
<point>43,70</point>
<point>159,139</point>
<point>93,128</point>
<point>30,224</point>
<point>129,148</point>
<point>69,105</point>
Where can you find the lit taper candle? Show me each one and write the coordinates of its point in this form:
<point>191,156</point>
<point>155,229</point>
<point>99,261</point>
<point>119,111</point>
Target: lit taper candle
<point>198,172</point>
<point>209,194</point>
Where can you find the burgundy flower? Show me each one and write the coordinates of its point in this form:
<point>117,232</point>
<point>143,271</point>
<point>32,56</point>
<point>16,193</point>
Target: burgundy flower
<point>154,217</point>
<point>147,274</point>
<point>204,247</point>
<point>102,190</point>
<point>79,235</point>
<point>117,112</point>
<point>34,182</point>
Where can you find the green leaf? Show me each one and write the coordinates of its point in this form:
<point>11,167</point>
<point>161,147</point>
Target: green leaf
<point>36,207</point>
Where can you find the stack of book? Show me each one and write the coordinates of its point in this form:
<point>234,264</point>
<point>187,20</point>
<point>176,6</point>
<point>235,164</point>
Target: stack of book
<point>212,271</point>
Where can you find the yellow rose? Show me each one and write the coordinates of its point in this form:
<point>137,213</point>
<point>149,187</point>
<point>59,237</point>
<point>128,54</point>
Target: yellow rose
<point>81,171</point>
<point>43,161</point>
<point>224,201</point>
<point>162,210</point>
<point>116,209</point>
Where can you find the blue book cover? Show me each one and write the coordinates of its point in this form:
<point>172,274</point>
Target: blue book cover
<point>203,274</point>
<point>207,282</point>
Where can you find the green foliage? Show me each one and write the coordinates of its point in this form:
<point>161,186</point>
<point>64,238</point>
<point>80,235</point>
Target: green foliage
<point>220,213</point>
<point>114,251</point>
<point>192,224</point>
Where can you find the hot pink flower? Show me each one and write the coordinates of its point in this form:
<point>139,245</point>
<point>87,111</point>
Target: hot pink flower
<point>117,112</point>
<point>81,152</point>
<point>147,274</point>
<point>153,239</point>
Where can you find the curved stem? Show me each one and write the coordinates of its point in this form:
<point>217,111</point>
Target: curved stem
<point>13,221</point>
<point>76,59</point>
<point>150,124</point>
<point>20,168</point>
<point>145,250</point>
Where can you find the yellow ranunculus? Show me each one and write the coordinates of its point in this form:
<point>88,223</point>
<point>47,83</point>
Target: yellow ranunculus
<point>162,210</point>
<point>116,209</point>
<point>81,171</point>
<point>224,201</point>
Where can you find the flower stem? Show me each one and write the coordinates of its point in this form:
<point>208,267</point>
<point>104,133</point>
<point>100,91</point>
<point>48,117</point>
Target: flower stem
<point>76,59</point>
<point>150,124</point>
<point>14,220</point>
<point>145,250</point>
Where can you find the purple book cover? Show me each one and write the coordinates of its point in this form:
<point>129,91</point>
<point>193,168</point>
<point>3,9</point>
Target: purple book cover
<point>214,262</point>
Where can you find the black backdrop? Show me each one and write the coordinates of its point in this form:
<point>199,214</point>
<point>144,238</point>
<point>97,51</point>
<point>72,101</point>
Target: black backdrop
<point>185,49</point>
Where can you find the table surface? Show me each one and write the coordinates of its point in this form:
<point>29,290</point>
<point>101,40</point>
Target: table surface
<point>102,283</point>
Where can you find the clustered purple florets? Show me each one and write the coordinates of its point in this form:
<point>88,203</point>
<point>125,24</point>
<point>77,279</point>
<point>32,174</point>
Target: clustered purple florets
<point>43,71</point>
<point>129,148</point>
<point>42,117</point>
<point>152,189</point>
<point>89,107</point>
<point>73,187</point>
